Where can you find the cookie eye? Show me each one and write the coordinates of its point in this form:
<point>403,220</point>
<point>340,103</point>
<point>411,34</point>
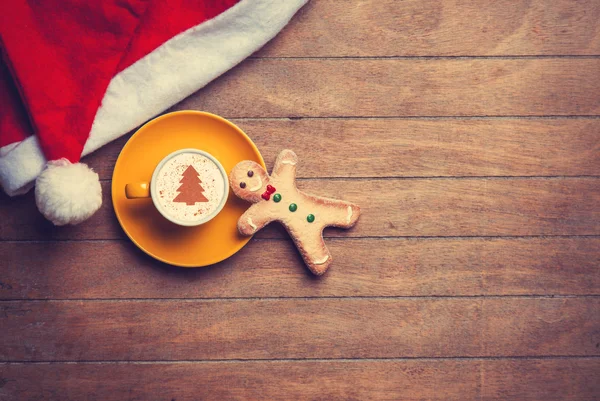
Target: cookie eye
<point>242,185</point>
<point>250,173</point>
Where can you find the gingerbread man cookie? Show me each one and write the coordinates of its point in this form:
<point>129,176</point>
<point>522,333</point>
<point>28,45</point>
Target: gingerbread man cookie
<point>276,198</point>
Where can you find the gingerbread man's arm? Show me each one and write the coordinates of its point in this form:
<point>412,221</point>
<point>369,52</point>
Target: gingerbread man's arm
<point>336,213</point>
<point>253,219</point>
<point>285,165</point>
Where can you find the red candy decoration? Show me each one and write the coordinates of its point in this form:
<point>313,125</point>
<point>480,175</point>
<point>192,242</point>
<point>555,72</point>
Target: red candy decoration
<point>267,194</point>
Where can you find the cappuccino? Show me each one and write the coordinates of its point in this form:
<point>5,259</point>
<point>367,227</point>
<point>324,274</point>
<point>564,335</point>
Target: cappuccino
<point>190,187</point>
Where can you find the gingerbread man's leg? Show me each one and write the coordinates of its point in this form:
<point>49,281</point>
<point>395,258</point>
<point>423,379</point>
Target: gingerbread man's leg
<point>253,220</point>
<point>313,251</point>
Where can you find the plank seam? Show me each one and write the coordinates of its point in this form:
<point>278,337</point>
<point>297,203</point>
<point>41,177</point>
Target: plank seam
<point>455,177</point>
<point>432,117</point>
<point>440,177</point>
<point>463,57</point>
<point>416,117</point>
<point>307,298</point>
<point>382,238</point>
<point>284,360</point>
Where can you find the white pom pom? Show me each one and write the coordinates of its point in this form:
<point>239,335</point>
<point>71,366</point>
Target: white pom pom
<point>67,193</point>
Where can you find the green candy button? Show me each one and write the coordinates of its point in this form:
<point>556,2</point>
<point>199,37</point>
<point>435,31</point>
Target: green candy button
<point>276,197</point>
<point>293,207</point>
<point>310,218</point>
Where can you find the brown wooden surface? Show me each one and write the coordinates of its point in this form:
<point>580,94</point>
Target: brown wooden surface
<point>469,133</point>
<point>391,207</point>
<point>402,267</point>
<point>411,380</point>
<point>401,87</point>
<point>298,328</point>
<point>388,28</point>
<point>445,147</point>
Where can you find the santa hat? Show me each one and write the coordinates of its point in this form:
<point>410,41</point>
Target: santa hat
<point>77,74</point>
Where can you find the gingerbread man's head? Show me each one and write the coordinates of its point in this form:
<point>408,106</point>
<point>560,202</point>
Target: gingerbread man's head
<point>248,180</point>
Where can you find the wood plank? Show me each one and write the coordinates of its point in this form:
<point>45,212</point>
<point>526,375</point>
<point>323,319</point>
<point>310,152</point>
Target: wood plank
<point>298,328</point>
<point>385,267</point>
<point>401,87</point>
<point>390,207</point>
<point>337,28</point>
<point>411,380</point>
<point>418,148</point>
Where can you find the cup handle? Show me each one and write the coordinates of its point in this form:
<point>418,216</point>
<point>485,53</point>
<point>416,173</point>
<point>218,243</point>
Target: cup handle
<point>137,190</point>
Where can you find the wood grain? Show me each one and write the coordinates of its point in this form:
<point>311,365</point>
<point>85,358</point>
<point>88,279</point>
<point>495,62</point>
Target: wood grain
<point>327,28</point>
<point>298,328</point>
<point>416,307</point>
<point>385,267</point>
<point>411,380</point>
<point>390,207</point>
<point>392,87</point>
<point>418,148</point>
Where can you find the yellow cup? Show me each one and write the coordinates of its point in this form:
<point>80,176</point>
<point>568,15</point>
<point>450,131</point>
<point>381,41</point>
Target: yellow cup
<point>141,189</point>
<point>137,190</point>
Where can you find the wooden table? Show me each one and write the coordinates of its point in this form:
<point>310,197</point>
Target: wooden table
<point>468,131</point>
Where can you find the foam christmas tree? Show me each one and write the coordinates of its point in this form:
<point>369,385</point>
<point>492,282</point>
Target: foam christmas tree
<point>191,190</point>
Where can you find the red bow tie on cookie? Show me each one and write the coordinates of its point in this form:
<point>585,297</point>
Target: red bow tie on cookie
<point>267,194</point>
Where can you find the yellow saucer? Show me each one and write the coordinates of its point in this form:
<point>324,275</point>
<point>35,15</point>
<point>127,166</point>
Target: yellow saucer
<point>197,246</point>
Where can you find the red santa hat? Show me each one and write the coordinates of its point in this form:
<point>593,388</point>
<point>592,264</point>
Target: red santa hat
<point>77,74</point>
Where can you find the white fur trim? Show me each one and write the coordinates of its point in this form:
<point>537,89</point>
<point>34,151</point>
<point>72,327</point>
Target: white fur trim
<point>67,193</point>
<point>6,149</point>
<point>175,70</point>
<point>20,164</point>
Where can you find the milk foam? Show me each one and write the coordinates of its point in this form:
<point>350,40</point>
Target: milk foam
<point>169,186</point>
